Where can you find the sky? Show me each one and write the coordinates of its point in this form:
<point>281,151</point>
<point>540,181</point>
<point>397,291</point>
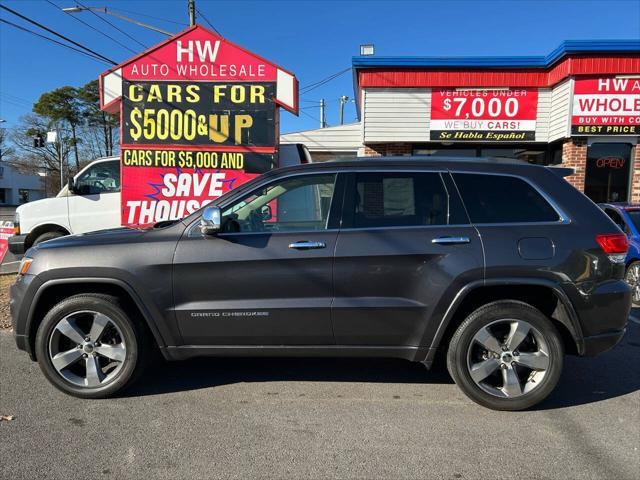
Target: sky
<point>314,39</point>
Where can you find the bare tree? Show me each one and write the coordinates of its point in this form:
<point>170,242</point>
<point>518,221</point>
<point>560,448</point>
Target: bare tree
<point>30,158</point>
<point>6,151</point>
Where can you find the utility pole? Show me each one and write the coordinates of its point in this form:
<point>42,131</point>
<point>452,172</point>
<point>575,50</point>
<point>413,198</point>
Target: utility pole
<point>343,99</point>
<point>192,12</point>
<point>323,121</point>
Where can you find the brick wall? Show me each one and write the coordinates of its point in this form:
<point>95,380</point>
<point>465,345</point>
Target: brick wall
<point>574,155</point>
<point>389,149</point>
<point>635,175</point>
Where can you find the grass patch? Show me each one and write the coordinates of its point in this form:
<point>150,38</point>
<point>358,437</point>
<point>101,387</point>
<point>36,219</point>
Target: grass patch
<point>5,282</point>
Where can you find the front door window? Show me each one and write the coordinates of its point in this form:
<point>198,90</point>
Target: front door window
<point>299,203</point>
<point>608,171</point>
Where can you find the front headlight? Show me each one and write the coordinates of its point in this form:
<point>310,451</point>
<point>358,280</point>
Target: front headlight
<point>25,265</point>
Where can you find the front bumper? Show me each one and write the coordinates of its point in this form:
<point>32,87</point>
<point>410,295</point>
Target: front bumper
<point>22,293</point>
<point>16,244</point>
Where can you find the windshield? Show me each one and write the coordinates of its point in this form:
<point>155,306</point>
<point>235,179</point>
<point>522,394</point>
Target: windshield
<point>634,215</point>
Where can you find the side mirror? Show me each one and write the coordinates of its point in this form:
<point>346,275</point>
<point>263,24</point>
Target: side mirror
<point>210,222</point>
<point>71,186</point>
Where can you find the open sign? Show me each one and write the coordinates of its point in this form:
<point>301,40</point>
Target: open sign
<point>610,162</point>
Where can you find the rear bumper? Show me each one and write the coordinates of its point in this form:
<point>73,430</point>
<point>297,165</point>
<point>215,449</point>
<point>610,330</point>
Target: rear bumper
<point>602,312</point>
<point>16,244</point>
<point>598,344</point>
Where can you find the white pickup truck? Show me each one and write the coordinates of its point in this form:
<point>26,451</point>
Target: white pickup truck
<point>94,203</point>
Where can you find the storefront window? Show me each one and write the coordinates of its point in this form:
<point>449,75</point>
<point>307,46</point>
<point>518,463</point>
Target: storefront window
<point>529,153</point>
<point>23,195</point>
<point>446,152</point>
<point>607,173</point>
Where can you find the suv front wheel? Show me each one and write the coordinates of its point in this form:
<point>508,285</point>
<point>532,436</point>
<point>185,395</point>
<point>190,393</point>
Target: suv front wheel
<point>87,346</point>
<point>506,355</point>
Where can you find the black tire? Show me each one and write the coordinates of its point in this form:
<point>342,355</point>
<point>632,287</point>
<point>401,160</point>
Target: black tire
<point>137,344</point>
<point>461,342</point>
<point>46,236</point>
<point>632,277</point>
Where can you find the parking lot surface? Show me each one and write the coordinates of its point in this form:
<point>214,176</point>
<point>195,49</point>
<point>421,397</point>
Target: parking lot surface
<point>320,418</point>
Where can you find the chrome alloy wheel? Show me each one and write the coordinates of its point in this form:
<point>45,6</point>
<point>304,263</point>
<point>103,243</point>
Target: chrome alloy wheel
<point>87,349</point>
<point>508,358</point>
<point>633,278</point>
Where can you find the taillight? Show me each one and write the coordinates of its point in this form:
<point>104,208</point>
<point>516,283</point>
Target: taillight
<point>615,245</point>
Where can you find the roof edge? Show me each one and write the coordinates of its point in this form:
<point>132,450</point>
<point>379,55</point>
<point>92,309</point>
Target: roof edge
<point>567,47</point>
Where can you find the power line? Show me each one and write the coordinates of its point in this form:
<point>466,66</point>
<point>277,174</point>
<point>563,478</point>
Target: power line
<point>114,26</point>
<point>312,117</point>
<point>148,16</point>
<point>92,27</point>
<point>57,35</point>
<point>208,22</point>
<point>319,83</point>
<point>93,57</point>
<point>15,98</point>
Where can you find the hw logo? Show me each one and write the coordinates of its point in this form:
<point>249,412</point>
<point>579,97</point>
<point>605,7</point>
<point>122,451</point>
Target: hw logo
<point>205,50</point>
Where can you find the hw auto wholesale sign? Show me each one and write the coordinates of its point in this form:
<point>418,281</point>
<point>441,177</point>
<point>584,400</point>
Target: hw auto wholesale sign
<point>606,106</point>
<point>199,116</point>
<point>500,115</point>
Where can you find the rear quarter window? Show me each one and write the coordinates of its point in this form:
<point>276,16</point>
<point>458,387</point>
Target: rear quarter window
<point>503,199</point>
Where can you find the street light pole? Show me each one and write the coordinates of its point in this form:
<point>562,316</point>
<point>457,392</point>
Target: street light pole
<point>121,17</point>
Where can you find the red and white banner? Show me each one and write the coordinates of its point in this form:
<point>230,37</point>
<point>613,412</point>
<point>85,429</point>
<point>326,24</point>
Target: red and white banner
<point>606,106</point>
<point>166,184</point>
<point>483,114</point>
<point>151,194</point>
<point>5,233</point>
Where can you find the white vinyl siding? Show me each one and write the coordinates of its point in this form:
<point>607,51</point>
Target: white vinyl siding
<point>560,111</point>
<point>396,115</point>
<point>344,138</point>
<point>542,117</point>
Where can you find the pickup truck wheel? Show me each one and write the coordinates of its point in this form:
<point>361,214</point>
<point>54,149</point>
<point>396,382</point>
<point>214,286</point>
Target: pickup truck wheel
<point>88,347</point>
<point>506,355</point>
<point>47,236</point>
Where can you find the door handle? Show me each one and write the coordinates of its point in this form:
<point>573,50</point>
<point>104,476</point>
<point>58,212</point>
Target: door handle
<point>450,240</point>
<point>307,245</point>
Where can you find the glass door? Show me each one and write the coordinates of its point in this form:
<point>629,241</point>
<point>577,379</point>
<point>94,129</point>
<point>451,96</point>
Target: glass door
<point>608,172</point>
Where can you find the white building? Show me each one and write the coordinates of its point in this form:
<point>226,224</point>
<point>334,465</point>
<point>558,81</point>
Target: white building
<point>17,188</point>
<point>329,143</point>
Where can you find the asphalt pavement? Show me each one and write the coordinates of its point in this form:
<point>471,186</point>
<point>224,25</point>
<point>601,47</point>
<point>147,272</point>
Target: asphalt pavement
<point>320,418</point>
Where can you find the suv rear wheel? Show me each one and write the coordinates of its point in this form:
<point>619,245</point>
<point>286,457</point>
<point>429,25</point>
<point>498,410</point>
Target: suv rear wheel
<point>87,346</point>
<point>506,355</point>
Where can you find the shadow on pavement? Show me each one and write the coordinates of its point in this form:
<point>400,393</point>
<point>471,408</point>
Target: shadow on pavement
<point>584,380</point>
<point>165,377</point>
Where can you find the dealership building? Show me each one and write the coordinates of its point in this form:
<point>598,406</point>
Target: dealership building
<point>579,106</point>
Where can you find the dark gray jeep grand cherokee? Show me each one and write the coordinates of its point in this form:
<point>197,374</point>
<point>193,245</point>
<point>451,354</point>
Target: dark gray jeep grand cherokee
<point>503,266</point>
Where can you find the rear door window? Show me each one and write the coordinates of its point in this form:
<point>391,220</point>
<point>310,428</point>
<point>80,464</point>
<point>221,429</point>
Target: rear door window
<point>503,199</point>
<point>400,199</point>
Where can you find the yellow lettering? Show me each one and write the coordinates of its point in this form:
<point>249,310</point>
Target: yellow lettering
<point>257,94</point>
<point>242,122</point>
<point>237,94</point>
<point>134,93</point>
<point>192,93</point>
<point>219,92</point>
<point>218,133</point>
<point>155,95</point>
<point>174,93</point>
